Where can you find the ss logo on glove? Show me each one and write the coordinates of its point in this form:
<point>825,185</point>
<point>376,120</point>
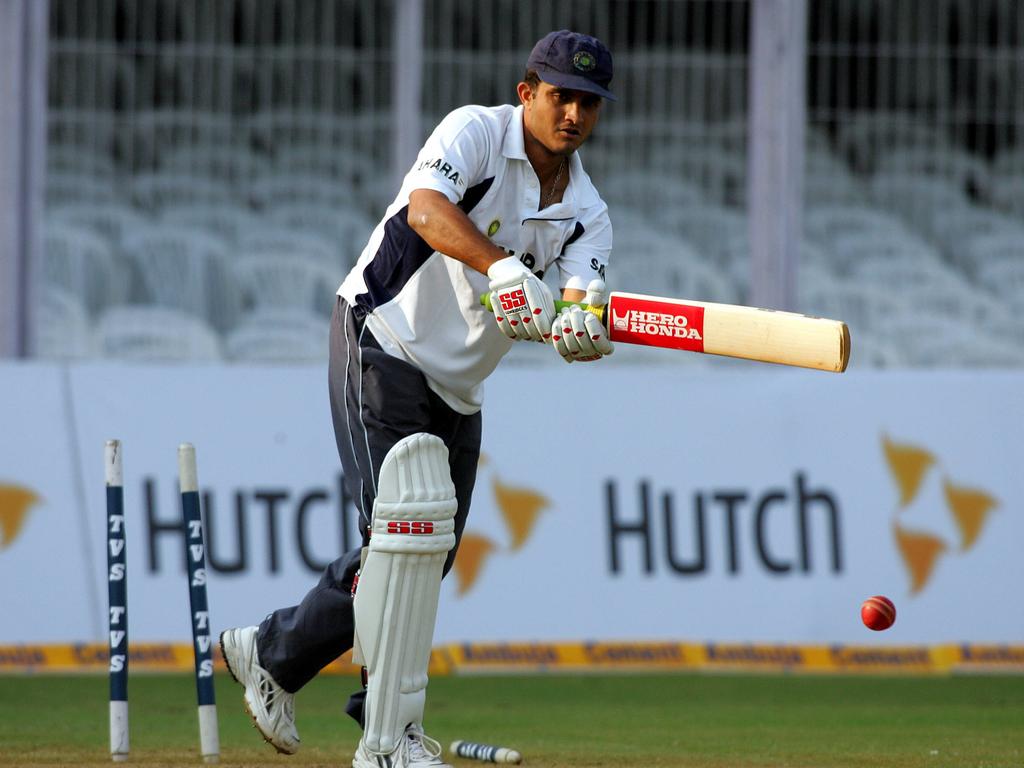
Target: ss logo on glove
<point>512,300</point>
<point>522,304</point>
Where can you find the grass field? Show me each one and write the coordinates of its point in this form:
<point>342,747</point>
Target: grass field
<point>639,720</point>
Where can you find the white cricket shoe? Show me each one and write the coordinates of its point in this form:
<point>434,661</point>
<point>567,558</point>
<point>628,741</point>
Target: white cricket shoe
<point>271,707</point>
<point>416,750</point>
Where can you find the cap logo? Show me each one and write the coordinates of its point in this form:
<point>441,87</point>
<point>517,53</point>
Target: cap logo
<point>584,61</point>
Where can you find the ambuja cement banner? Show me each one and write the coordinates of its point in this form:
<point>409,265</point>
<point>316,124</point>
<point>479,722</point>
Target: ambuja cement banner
<point>750,505</point>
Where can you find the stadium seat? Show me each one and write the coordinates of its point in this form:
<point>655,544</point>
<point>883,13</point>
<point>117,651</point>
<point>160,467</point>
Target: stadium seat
<point>1007,193</point>
<point>270,191</point>
<point>820,187</point>
<point>867,351</point>
<point>953,231</point>
<point>82,161</point>
<point>276,239</point>
<point>1007,327</point>
<point>316,159</point>
<point>63,187</point>
<point>1005,279</point>
<point>154,191</point>
<point>80,262</point>
<point>62,330</point>
<point>818,140</point>
<point>333,131</point>
<point>819,157</point>
<point>112,219</point>
<point>155,334</point>
<point>862,137</point>
<point>915,196</point>
<point>848,248</point>
<point>967,351</point>
<point>347,229</point>
<point>640,257</point>
<point>186,271</point>
<point>618,151</point>
<point>974,307</point>
<point>280,266</point>
<point>985,249</point>
<point>961,170</point>
<point>824,223</point>
<point>733,254</point>
<point>720,174</point>
<point>730,134</point>
<point>896,265</point>
<point>376,194</point>
<point>1009,162</point>
<point>921,338</point>
<point>80,78</point>
<point>88,129</point>
<point>286,281</point>
<point>153,134</point>
<point>827,179</point>
<point>229,221</point>
<point>707,226</point>
<point>669,266</point>
<point>233,164</point>
<point>702,280</point>
<point>649,190</point>
<point>279,336</point>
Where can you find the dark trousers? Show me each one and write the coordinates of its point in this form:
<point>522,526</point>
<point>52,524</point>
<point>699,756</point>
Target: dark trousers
<point>376,400</point>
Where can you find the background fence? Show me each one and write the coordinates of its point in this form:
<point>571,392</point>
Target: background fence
<point>215,167</point>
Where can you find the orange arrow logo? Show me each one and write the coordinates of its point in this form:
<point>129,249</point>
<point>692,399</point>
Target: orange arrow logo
<point>15,503</point>
<point>920,551</point>
<point>519,508</point>
<point>474,550</point>
<point>970,509</point>
<point>910,467</point>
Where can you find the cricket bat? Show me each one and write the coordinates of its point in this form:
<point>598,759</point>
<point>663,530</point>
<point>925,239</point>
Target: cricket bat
<point>766,335</point>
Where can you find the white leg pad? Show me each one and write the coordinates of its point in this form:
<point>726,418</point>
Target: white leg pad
<point>413,530</point>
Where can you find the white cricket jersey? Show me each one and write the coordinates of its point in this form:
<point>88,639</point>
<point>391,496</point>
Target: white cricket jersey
<point>424,307</point>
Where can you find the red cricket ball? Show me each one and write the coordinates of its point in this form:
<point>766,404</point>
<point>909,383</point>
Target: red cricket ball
<point>878,613</point>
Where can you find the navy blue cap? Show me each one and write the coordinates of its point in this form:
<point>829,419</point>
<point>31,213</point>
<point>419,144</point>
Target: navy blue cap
<point>573,60</point>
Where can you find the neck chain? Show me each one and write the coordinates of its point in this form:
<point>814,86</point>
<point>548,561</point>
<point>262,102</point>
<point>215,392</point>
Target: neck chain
<point>554,184</point>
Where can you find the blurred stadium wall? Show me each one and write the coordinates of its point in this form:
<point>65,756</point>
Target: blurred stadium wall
<point>213,166</point>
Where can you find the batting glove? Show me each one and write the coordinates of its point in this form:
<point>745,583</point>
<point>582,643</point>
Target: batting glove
<point>577,335</point>
<point>522,304</point>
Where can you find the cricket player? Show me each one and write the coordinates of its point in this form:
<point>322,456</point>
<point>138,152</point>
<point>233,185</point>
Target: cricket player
<point>496,198</point>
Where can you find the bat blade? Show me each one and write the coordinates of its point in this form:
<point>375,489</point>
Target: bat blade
<point>786,338</point>
<point>731,330</point>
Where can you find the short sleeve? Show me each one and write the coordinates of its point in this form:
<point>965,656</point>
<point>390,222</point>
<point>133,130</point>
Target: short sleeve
<point>586,252</point>
<point>454,157</point>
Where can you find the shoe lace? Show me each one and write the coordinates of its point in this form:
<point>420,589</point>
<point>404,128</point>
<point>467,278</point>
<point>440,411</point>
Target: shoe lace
<point>421,747</point>
<point>275,697</point>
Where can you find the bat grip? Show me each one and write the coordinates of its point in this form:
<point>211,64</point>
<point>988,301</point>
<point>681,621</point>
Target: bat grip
<point>485,299</point>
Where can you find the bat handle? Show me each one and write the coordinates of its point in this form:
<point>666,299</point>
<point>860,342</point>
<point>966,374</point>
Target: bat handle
<point>485,299</point>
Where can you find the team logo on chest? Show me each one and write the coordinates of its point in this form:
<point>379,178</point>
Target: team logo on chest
<point>493,227</point>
